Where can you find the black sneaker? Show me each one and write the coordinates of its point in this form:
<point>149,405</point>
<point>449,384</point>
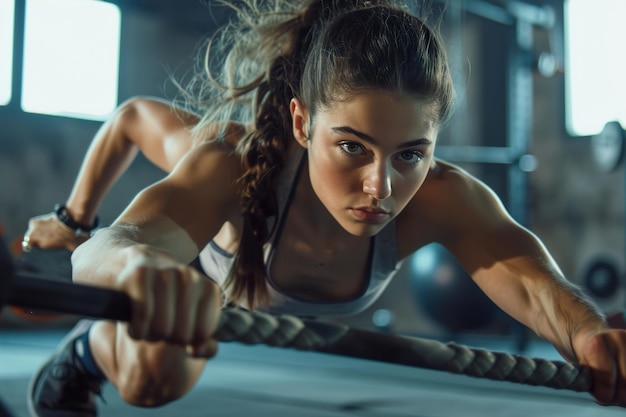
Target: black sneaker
<point>62,387</point>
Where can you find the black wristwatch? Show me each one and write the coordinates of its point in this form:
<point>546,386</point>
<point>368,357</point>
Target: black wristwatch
<point>65,217</point>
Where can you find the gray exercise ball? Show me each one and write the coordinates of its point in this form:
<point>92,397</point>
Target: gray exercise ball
<point>446,293</point>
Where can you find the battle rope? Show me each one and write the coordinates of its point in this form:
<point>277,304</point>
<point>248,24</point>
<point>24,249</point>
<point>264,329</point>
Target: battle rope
<point>291,332</point>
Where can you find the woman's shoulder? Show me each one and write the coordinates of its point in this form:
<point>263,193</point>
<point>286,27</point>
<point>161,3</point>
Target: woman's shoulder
<point>228,133</point>
<point>450,200</point>
<point>215,157</point>
<point>216,146</point>
<point>447,181</point>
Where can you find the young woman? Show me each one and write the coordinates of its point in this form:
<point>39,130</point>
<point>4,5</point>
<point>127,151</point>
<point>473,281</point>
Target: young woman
<point>305,204</point>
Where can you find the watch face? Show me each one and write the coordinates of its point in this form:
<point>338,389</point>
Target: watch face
<point>607,147</point>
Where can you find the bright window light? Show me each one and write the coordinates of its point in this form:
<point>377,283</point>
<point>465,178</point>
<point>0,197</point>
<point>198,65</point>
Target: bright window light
<point>6,49</point>
<point>71,58</point>
<point>595,65</point>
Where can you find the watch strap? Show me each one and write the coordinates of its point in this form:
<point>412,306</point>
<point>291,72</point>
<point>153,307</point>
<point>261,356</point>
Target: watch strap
<point>66,218</point>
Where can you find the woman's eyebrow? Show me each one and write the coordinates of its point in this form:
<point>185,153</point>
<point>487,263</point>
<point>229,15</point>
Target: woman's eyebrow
<point>367,138</point>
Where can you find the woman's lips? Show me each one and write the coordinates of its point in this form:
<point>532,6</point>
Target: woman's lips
<point>370,214</point>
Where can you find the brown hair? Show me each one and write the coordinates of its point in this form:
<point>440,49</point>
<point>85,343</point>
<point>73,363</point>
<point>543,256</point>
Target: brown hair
<point>319,51</point>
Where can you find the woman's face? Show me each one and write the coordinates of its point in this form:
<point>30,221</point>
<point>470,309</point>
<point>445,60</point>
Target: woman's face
<point>368,156</point>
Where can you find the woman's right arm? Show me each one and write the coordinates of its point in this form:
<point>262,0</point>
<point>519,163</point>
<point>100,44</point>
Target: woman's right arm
<point>151,126</point>
<point>146,252</point>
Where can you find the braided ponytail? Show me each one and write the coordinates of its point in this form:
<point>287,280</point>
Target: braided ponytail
<point>281,34</point>
<point>264,153</point>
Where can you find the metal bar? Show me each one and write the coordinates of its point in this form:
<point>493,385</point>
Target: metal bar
<point>541,16</point>
<point>19,25</point>
<point>510,13</point>
<point>519,109</point>
<point>478,154</point>
<point>489,11</point>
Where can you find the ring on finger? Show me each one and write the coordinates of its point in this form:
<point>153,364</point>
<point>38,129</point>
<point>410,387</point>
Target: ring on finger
<point>26,247</point>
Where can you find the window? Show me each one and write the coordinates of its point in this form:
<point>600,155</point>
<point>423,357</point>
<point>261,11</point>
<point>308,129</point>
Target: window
<point>595,65</point>
<point>71,58</point>
<point>6,49</point>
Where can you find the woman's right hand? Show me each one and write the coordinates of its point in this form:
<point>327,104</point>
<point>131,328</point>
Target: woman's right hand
<point>47,232</point>
<point>171,302</point>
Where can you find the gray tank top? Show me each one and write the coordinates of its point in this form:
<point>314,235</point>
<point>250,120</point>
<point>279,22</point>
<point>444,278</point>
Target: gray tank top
<point>383,261</point>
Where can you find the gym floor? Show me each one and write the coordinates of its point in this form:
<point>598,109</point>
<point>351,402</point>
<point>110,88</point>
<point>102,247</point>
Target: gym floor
<point>262,381</point>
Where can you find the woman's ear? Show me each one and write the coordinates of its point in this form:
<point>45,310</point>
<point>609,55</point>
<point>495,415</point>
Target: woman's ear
<point>299,121</point>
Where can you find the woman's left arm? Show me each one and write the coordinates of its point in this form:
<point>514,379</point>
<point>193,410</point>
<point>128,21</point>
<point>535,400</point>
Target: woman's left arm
<point>514,268</point>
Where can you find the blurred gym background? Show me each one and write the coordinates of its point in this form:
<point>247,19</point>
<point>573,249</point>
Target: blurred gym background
<point>542,102</point>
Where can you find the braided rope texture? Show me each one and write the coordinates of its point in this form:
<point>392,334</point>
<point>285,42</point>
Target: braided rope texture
<point>253,328</point>
<point>291,332</point>
<point>515,368</point>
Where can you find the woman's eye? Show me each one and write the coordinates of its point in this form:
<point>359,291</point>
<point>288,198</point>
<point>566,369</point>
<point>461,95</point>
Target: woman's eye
<point>352,148</point>
<point>411,157</point>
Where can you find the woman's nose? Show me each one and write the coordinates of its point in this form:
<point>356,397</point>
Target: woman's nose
<point>377,182</point>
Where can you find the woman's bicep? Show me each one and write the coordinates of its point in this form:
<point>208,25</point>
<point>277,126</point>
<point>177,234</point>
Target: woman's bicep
<point>163,131</point>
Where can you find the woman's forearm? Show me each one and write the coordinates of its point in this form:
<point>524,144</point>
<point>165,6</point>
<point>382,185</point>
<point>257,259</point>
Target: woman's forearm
<point>566,312</point>
<point>140,124</point>
<point>108,157</point>
<point>524,280</point>
<point>101,259</point>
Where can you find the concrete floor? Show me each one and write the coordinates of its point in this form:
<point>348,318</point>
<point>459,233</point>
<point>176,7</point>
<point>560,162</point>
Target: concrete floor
<point>263,381</point>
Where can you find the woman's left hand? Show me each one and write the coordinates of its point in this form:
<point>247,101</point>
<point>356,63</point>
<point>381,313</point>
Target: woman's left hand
<point>604,352</point>
<point>47,232</point>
